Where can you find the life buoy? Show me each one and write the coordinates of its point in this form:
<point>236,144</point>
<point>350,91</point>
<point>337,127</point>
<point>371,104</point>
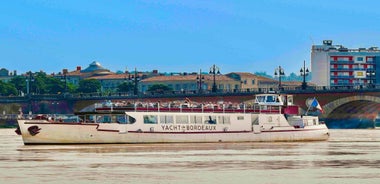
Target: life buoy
<point>34,130</point>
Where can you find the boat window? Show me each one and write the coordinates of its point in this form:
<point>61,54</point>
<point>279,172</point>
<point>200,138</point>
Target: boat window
<point>150,119</point>
<point>240,117</point>
<point>260,99</point>
<point>256,121</point>
<point>195,119</point>
<point>103,119</point>
<point>315,122</point>
<point>165,119</point>
<point>90,119</point>
<point>224,120</point>
<point>310,122</point>
<point>122,119</point>
<point>181,119</point>
<point>271,99</point>
<point>210,120</point>
<point>131,120</point>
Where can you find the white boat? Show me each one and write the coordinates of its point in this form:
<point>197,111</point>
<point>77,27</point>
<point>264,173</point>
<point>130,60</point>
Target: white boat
<point>265,120</point>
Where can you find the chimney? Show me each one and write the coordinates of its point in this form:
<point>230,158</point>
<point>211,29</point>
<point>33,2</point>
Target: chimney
<point>79,68</point>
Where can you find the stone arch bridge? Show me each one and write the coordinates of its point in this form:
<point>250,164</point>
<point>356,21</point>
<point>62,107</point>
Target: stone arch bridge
<point>336,104</point>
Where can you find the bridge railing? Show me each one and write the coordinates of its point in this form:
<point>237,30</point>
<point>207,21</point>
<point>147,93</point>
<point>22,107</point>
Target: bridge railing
<point>189,93</point>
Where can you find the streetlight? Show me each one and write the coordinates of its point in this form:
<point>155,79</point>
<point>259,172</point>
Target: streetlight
<point>215,71</point>
<point>135,80</point>
<point>304,72</point>
<point>200,80</point>
<point>64,72</point>
<point>55,104</point>
<point>370,73</point>
<point>29,80</point>
<point>279,72</point>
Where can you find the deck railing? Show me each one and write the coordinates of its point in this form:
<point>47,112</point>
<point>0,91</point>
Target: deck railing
<point>199,108</point>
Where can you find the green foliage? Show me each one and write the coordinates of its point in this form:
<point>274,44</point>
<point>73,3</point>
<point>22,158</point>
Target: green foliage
<point>40,83</point>
<point>159,88</point>
<point>292,76</point>
<point>71,88</point>
<point>19,82</point>
<point>126,87</point>
<point>263,74</point>
<point>7,89</point>
<point>43,84</point>
<point>89,86</point>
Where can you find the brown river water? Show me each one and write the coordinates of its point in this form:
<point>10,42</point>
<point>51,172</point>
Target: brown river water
<point>349,156</point>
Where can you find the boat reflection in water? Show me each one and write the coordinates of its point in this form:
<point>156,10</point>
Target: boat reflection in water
<point>349,156</point>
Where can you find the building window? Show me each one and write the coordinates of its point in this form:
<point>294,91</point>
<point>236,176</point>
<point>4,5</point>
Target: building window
<point>343,74</point>
<point>359,59</point>
<point>193,86</point>
<point>177,87</point>
<point>245,81</point>
<point>343,58</point>
<point>253,82</point>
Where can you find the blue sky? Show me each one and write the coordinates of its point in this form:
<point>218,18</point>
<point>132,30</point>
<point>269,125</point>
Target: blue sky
<point>183,35</point>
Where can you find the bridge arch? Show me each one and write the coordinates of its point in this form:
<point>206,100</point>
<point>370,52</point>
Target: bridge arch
<point>330,107</point>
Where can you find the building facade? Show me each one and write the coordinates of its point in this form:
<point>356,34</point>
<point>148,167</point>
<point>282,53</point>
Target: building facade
<point>252,82</point>
<point>191,82</point>
<point>336,65</point>
<point>5,75</point>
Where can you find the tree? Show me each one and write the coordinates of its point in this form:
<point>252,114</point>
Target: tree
<point>44,84</point>
<point>161,88</point>
<point>89,86</point>
<point>263,74</point>
<point>19,82</point>
<point>125,87</point>
<point>7,89</point>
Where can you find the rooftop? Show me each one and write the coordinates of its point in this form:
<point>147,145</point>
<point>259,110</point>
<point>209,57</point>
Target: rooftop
<point>187,78</point>
<point>94,66</point>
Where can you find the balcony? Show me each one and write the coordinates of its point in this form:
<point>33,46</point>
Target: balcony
<point>341,77</point>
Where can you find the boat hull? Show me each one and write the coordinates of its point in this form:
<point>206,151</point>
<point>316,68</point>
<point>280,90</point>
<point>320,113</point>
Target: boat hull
<point>43,132</point>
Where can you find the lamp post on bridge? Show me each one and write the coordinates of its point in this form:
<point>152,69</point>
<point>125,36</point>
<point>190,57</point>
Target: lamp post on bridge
<point>214,70</point>
<point>278,72</point>
<point>304,72</point>
<point>135,82</point>
<point>29,80</point>
<point>64,72</point>
<point>200,80</point>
